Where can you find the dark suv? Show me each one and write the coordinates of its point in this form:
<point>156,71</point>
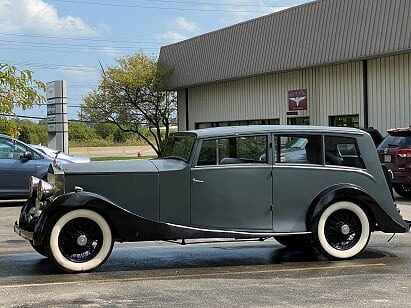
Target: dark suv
<point>395,153</point>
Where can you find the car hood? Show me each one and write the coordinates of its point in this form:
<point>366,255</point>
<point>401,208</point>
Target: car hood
<point>130,166</point>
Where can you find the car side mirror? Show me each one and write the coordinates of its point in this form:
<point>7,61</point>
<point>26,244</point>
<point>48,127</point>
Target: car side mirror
<point>27,156</point>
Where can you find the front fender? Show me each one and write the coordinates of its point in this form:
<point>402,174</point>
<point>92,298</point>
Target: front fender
<point>379,218</point>
<point>126,226</point>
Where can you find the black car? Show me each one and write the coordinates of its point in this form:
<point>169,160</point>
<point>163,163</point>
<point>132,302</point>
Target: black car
<point>395,153</point>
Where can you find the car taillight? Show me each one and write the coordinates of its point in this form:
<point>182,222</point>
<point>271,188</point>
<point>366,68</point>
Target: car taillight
<point>403,153</point>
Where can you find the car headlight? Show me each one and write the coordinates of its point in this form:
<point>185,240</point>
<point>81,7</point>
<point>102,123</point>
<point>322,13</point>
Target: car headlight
<point>45,190</point>
<point>33,186</point>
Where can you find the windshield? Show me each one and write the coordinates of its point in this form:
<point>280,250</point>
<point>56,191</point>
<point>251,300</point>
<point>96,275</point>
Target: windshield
<point>179,147</point>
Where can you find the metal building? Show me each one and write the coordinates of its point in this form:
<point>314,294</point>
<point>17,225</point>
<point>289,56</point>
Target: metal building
<point>327,62</point>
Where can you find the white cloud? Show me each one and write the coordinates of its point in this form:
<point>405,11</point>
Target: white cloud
<point>186,25</point>
<point>181,30</point>
<point>249,9</point>
<point>37,16</point>
<point>172,37</point>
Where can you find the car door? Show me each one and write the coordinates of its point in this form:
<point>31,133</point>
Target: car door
<point>231,184</point>
<point>14,171</point>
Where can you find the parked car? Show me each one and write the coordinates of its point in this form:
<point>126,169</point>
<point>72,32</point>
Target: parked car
<point>19,161</point>
<point>227,182</point>
<point>61,155</point>
<point>395,154</point>
<point>375,135</point>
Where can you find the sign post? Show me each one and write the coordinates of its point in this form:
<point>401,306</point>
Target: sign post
<point>57,121</point>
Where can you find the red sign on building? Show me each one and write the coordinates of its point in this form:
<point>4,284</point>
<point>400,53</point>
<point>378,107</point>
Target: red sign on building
<point>297,99</point>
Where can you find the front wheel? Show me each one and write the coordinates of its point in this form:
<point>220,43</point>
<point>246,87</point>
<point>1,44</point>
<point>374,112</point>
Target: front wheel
<point>39,248</point>
<point>342,230</point>
<point>80,241</point>
<point>402,190</point>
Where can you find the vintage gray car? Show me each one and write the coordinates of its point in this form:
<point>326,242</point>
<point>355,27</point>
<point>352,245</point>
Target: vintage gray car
<point>243,182</point>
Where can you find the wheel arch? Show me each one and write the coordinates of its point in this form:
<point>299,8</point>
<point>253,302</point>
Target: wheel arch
<point>344,192</point>
<point>112,213</point>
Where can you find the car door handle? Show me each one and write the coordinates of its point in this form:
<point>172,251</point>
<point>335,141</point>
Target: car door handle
<point>197,181</point>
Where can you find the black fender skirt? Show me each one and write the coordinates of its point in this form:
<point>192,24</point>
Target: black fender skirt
<point>349,192</point>
<point>127,226</point>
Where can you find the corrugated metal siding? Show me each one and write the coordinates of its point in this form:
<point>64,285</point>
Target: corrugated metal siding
<point>317,33</point>
<point>181,110</point>
<point>333,90</point>
<point>390,92</point>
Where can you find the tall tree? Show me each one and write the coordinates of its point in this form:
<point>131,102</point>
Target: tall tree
<point>17,89</point>
<point>130,96</point>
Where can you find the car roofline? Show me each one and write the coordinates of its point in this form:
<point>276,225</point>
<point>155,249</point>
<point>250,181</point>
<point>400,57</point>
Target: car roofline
<point>258,129</point>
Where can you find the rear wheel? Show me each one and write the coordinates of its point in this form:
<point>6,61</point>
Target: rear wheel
<point>80,241</point>
<point>402,190</point>
<point>342,230</point>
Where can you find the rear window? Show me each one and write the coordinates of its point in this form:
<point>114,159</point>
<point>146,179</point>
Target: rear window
<point>396,141</point>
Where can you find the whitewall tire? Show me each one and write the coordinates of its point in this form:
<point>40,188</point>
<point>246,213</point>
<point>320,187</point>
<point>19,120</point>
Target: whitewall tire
<point>80,241</point>
<point>342,230</point>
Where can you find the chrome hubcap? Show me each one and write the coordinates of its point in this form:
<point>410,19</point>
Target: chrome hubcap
<point>82,240</point>
<point>345,229</point>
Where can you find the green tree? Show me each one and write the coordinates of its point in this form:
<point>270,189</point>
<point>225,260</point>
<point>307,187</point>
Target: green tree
<point>80,132</point>
<point>17,89</point>
<point>130,96</point>
<point>105,130</point>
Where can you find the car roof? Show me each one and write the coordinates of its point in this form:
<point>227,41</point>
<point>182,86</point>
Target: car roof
<point>255,129</point>
<point>393,131</point>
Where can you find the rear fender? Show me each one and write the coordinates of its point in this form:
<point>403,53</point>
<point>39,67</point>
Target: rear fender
<point>379,219</point>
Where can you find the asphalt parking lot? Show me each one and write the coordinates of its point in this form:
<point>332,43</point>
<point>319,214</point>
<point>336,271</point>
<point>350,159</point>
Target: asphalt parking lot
<point>240,274</point>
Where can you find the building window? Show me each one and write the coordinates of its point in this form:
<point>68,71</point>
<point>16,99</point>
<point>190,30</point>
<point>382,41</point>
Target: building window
<point>238,123</point>
<point>298,121</point>
<point>345,121</point>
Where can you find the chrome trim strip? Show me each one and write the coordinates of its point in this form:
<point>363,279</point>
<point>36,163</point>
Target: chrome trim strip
<point>256,234</point>
<point>227,166</point>
<point>325,167</point>
<point>13,201</point>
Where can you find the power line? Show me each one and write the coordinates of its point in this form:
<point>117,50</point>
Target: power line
<point>82,39</point>
<point>159,7</point>
<point>80,68</point>
<point>61,45</point>
<point>174,2</point>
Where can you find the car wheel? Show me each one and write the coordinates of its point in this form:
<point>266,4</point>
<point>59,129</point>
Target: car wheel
<point>80,241</point>
<point>402,190</point>
<point>39,248</point>
<point>342,230</point>
<point>301,240</point>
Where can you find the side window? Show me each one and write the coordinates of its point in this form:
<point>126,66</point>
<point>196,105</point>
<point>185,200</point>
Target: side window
<point>300,149</point>
<point>208,153</point>
<point>234,150</point>
<point>342,151</point>
<point>11,150</point>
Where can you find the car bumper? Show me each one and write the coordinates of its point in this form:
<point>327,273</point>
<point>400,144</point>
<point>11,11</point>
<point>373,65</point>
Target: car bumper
<point>23,233</point>
<point>402,177</point>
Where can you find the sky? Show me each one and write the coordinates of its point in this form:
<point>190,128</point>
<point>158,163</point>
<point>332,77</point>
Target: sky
<point>68,39</point>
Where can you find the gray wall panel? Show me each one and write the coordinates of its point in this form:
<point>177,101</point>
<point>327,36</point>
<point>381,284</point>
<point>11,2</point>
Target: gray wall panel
<point>390,91</point>
<point>332,90</point>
